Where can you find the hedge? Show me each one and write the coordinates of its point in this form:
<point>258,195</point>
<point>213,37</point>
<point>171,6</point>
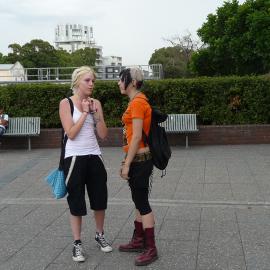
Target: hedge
<point>219,100</point>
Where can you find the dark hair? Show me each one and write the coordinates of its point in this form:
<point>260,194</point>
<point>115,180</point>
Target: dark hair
<point>139,84</point>
<point>125,77</point>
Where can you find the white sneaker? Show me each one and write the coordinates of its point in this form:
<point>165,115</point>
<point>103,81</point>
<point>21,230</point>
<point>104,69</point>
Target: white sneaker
<point>103,244</point>
<point>77,253</point>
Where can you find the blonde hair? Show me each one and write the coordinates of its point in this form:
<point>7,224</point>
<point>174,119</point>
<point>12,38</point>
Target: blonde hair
<point>77,74</point>
<point>136,74</point>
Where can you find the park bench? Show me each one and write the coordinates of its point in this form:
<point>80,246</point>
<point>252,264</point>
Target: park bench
<point>181,123</point>
<point>23,126</point>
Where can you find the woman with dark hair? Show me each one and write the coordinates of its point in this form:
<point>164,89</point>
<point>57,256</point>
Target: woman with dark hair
<point>137,166</point>
<point>83,163</point>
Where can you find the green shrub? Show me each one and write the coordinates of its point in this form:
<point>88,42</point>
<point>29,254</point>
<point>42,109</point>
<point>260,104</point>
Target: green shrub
<point>218,100</point>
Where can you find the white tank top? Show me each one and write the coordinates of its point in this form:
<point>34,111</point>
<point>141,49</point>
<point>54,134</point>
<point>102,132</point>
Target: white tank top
<point>85,143</point>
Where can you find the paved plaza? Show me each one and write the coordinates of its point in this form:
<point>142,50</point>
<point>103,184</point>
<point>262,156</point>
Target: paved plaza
<point>212,212</point>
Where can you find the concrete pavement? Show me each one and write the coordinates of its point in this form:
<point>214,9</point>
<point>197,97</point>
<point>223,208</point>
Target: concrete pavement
<point>212,212</point>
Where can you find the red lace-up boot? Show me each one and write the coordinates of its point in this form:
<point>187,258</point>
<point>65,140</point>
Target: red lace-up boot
<point>150,253</point>
<point>136,243</point>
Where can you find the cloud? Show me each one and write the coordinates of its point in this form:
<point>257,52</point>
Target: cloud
<point>41,10</point>
<point>131,29</point>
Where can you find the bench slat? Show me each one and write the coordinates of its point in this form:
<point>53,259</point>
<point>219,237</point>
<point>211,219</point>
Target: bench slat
<point>23,126</point>
<point>181,123</point>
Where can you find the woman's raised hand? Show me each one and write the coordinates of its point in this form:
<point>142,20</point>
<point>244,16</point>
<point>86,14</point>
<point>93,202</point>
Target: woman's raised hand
<point>92,105</point>
<point>85,105</point>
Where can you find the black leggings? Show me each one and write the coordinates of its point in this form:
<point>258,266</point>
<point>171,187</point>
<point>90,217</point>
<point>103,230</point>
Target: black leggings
<point>139,174</point>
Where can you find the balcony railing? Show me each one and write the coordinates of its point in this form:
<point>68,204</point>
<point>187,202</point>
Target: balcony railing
<point>63,74</point>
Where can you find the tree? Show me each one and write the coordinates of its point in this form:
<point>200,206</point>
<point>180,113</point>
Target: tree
<point>85,56</point>
<point>2,59</point>
<point>36,53</point>
<point>15,55</point>
<point>202,61</point>
<point>236,40</point>
<point>41,54</point>
<point>175,59</point>
<point>171,60</point>
<point>186,44</point>
<point>64,58</point>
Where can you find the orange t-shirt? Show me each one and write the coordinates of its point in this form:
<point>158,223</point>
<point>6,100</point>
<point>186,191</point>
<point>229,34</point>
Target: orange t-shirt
<point>137,108</point>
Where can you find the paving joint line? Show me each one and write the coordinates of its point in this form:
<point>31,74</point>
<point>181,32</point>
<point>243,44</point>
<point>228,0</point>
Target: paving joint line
<point>128,201</point>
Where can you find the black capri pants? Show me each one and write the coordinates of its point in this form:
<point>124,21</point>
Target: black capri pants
<point>139,175</point>
<point>88,171</point>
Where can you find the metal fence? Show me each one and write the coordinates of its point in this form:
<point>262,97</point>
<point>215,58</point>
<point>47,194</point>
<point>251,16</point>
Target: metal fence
<point>63,74</point>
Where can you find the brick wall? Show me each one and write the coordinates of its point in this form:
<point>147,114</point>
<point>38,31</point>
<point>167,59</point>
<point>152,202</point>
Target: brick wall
<point>233,134</point>
<point>207,135</point>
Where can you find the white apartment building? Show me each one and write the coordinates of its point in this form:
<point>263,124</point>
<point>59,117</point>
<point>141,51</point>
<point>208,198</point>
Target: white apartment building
<point>112,61</point>
<point>72,37</point>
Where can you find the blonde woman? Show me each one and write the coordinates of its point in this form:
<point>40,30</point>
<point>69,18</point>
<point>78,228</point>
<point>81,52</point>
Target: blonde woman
<point>83,162</point>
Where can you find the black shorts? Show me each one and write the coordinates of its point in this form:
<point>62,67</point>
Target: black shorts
<point>88,171</point>
<point>139,174</point>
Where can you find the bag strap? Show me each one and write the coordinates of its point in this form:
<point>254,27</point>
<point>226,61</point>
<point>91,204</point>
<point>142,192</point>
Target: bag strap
<point>65,138</point>
<point>71,105</point>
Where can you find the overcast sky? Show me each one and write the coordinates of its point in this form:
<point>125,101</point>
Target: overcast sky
<point>130,29</point>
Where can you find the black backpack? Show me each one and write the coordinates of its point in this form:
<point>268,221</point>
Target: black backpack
<point>157,140</point>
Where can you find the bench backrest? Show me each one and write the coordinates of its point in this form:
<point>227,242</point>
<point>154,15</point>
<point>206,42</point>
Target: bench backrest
<point>180,123</point>
<point>23,126</point>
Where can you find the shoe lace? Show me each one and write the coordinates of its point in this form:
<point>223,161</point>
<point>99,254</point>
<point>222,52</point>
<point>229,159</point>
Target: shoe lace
<point>102,240</point>
<point>78,250</point>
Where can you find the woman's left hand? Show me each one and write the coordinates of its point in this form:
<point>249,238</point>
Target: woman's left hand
<point>93,105</point>
<point>124,171</point>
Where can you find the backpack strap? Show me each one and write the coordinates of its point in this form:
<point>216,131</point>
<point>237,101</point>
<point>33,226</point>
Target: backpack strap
<point>64,135</point>
<point>71,105</point>
<point>65,138</point>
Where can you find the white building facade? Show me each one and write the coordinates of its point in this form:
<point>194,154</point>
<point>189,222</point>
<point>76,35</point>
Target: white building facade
<point>72,37</point>
<point>12,72</point>
<point>112,61</point>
